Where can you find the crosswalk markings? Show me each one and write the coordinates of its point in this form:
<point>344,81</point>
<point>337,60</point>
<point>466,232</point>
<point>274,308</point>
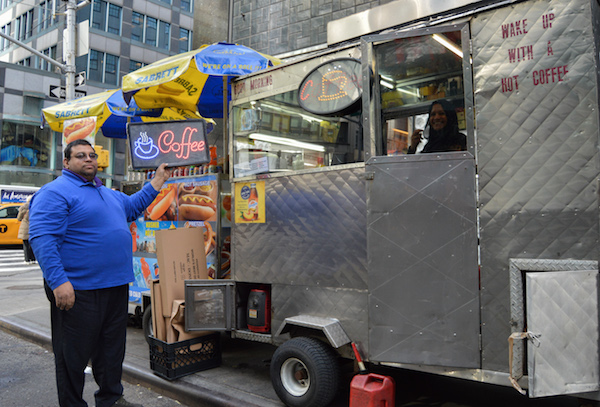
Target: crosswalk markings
<point>14,261</point>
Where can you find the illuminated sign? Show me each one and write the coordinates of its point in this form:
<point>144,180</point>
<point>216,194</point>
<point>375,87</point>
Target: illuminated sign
<point>332,89</point>
<point>176,143</point>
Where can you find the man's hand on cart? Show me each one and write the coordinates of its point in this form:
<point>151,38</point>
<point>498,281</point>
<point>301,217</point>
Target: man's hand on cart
<point>162,174</point>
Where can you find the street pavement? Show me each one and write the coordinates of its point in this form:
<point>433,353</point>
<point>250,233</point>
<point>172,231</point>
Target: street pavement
<point>26,378</point>
<point>242,380</point>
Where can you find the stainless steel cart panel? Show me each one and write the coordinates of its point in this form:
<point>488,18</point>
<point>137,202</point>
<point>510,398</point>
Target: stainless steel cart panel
<point>314,233</point>
<point>423,273</point>
<point>536,149</point>
<point>562,314</point>
<point>312,248</point>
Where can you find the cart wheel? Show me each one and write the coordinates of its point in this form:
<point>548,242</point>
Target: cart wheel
<point>147,324</point>
<point>305,373</point>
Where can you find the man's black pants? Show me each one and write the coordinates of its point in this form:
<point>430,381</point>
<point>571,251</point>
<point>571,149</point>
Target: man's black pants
<point>94,329</point>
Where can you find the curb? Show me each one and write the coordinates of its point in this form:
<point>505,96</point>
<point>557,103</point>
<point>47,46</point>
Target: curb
<point>193,395</point>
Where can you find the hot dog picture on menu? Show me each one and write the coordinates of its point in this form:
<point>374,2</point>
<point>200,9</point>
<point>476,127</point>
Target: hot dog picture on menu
<point>197,201</point>
<point>76,129</point>
<point>164,206</point>
<point>192,201</point>
<point>188,203</point>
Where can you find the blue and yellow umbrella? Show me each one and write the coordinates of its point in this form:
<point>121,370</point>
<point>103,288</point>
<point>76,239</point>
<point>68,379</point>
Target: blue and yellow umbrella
<point>193,80</point>
<point>111,113</point>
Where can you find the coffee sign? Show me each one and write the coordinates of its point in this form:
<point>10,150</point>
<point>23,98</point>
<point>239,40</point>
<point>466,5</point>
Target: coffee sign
<point>177,143</point>
<point>332,89</point>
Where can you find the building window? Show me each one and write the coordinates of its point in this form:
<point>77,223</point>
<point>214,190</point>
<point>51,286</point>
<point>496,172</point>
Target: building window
<point>32,106</point>
<point>25,62</point>
<point>137,27</point>
<point>164,35</point>
<point>94,66</point>
<point>186,5</point>
<point>111,71</point>
<point>25,24</point>
<point>25,145</point>
<point>45,17</point>
<point>184,40</point>
<point>103,67</point>
<point>165,1</point>
<point>151,29</point>
<point>135,65</point>
<point>5,4</point>
<point>45,65</point>
<point>106,17</point>
<point>99,14</point>
<point>114,19</point>
<point>6,43</point>
<point>17,29</point>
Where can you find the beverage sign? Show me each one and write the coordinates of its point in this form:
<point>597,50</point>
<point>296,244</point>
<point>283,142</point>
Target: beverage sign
<point>177,143</point>
<point>332,89</point>
<point>250,202</point>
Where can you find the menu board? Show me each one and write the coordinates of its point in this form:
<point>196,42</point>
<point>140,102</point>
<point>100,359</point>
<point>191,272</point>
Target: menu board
<point>173,208</point>
<point>177,143</point>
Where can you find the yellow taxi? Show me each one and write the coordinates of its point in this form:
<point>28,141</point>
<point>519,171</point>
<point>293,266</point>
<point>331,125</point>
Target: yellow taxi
<point>9,225</point>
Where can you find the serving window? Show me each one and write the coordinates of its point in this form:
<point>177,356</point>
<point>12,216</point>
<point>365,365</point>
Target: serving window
<point>275,134</point>
<point>414,72</point>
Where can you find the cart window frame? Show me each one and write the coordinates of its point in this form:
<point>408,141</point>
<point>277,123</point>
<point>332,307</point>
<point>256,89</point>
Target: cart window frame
<point>375,115</point>
<point>270,135</point>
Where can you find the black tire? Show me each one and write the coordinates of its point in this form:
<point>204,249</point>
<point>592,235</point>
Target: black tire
<point>147,324</point>
<point>305,373</point>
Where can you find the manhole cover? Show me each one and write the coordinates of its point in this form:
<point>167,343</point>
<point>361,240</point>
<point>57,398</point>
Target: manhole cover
<point>24,287</point>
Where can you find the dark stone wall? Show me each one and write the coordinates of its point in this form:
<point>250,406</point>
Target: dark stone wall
<point>211,21</point>
<point>280,26</point>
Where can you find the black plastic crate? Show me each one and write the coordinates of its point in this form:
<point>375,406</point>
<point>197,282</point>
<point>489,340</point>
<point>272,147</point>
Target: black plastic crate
<point>174,360</point>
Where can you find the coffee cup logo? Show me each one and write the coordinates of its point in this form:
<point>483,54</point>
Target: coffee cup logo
<point>145,148</point>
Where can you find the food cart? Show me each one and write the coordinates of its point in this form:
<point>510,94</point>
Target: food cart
<point>194,197</point>
<point>480,264</point>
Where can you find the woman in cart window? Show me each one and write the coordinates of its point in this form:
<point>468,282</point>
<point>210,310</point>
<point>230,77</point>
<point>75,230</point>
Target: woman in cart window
<point>441,132</point>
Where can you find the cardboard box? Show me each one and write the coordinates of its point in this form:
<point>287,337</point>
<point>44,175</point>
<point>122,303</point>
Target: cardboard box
<point>158,321</point>
<point>180,256</point>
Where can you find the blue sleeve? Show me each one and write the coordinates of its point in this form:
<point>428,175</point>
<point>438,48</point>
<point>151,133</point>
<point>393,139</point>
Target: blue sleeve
<point>48,213</point>
<point>135,204</point>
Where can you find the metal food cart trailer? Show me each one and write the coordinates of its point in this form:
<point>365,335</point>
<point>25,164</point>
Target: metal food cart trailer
<point>480,264</point>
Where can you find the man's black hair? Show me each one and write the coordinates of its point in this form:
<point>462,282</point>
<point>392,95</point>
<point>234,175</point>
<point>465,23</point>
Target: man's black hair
<point>69,147</point>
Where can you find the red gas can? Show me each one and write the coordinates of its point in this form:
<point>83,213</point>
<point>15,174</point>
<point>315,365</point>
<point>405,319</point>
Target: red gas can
<point>372,390</point>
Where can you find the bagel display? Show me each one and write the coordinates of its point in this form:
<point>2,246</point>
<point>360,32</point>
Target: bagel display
<point>162,203</point>
<point>196,207</point>
<point>79,129</point>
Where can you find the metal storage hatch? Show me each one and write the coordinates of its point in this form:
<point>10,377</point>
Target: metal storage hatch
<point>562,314</point>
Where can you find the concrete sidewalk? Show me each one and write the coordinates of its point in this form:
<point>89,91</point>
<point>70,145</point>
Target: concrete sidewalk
<point>241,380</point>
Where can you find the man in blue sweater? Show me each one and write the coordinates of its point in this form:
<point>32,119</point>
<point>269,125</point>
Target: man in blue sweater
<point>80,235</point>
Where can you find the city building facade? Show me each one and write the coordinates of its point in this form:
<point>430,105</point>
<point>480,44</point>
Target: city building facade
<point>280,27</point>
<point>114,38</point>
